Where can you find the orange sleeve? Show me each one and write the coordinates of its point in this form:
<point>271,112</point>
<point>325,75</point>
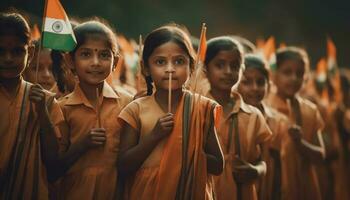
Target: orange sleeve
<point>130,114</point>
<point>56,117</point>
<point>217,116</point>
<point>63,129</point>
<point>279,132</point>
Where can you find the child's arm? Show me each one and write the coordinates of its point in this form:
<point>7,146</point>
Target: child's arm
<point>133,154</point>
<point>48,140</point>
<point>312,152</point>
<point>245,172</point>
<point>215,158</point>
<point>95,138</point>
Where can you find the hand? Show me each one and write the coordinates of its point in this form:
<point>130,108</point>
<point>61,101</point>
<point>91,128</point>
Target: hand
<point>244,172</point>
<point>295,133</point>
<point>38,97</point>
<point>95,138</point>
<point>164,125</point>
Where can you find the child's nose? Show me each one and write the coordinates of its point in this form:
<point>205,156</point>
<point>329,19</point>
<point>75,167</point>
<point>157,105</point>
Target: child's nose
<point>255,86</point>
<point>95,59</point>
<point>228,69</point>
<point>170,69</point>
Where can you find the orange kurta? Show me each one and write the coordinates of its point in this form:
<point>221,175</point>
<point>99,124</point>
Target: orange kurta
<point>299,179</point>
<point>159,175</point>
<point>269,185</point>
<point>332,175</point>
<point>253,131</point>
<point>94,174</point>
<point>29,173</point>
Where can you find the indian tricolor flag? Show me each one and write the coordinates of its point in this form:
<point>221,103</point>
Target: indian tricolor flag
<point>58,33</point>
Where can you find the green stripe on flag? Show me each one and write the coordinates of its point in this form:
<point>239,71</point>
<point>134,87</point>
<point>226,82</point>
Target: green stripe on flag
<point>63,42</point>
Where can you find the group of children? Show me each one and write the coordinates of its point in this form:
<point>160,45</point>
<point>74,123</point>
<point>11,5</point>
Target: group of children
<point>87,139</point>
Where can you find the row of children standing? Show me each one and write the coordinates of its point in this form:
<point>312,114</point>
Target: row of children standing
<point>98,142</point>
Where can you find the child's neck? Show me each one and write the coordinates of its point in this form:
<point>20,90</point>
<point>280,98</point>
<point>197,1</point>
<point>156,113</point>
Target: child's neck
<point>223,97</point>
<point>283,96</point>
<point>11,85</point>
<point>162,96</point>
<point>261,108</point>
<point>90,91</point>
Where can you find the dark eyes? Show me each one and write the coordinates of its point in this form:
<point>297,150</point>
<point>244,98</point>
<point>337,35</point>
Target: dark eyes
<point>233,66</point>
<point>105,55</point>
<point>177,61</point>
<point>180,61</point>
<point>160,62</point>
<point>259,82</point>
<point>102,55</point>
<point>85,54</point>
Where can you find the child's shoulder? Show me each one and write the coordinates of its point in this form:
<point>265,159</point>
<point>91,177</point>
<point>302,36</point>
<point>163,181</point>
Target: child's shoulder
<point>65,98</point>
<point>306,104</point>
<point>240,105</point>
<point>125,97</point>
<point>144,101</point>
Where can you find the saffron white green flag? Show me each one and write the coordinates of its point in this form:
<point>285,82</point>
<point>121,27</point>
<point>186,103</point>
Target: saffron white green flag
<point>58,33</point>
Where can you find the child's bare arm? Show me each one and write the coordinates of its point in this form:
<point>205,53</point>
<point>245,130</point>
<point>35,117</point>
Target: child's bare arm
<point>312,152</point>
<point>95,138</point>
<point>215,160</point>
<point>133,153</point>
<point>48,140</point>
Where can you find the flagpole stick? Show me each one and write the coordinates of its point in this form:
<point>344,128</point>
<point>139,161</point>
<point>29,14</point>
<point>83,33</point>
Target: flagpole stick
<point>203,31</point>
<point>37,63</point>
<point>40,43</point>
<point>98,108</point>
<point>169,94</point>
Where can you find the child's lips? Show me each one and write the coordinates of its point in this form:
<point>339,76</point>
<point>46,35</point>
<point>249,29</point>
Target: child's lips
<point>95,72</point>
<point>227,81</point>
<point>167,78</point>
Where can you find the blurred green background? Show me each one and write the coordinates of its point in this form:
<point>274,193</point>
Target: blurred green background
<point>304,23</point>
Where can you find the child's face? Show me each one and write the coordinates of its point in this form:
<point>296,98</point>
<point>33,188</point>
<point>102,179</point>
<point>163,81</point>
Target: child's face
<point>289,78</point>
<point>93,61</point>
<point>45,76</point>
<point>253,86</point>
<point>14,56</point>
<point>165,59</point>
<point>223,70</point>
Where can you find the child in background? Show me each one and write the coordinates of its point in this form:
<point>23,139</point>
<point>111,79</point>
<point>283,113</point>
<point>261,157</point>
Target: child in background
<point>254,87</point>
<point>45,77</point>
<point>65,78</point>
<point>304,147</point>
<point>243,128</point>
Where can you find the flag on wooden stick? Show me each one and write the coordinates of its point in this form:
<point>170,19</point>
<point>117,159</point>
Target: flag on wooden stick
<point>57,32</point>
<point>198,77</point>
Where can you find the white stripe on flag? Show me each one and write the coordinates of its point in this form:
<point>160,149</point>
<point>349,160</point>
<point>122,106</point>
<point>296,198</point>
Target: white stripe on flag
<point>57,26</point>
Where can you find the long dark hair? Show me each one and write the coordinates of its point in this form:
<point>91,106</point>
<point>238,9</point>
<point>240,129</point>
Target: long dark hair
<point>160,36</point>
